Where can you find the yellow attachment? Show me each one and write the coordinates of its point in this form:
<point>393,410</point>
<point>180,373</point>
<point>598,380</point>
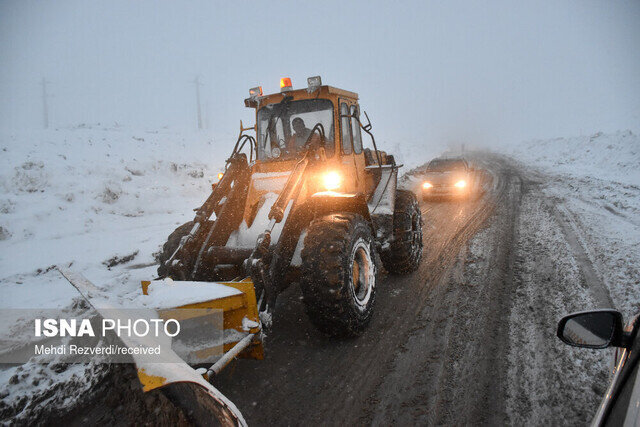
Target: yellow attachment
<point>150,382</point>
<point>235,309</point>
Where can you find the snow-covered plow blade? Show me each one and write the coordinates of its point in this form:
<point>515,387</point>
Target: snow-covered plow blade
<point>189,388</point>
<point>236,300</point>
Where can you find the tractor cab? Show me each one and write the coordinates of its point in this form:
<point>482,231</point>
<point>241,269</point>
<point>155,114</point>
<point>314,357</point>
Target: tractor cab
<point>286,120</point>
<point>289,121</point>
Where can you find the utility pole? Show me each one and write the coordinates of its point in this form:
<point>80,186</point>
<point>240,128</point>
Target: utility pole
<point>45,106</point>
<point>198,84</point>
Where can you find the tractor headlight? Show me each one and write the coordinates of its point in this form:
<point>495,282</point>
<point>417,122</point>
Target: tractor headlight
<point>332,180</point>
<point>461,184</point>
<point>427,185</point>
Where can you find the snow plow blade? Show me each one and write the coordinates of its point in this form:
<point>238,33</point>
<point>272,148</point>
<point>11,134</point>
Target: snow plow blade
<point>187,388</point>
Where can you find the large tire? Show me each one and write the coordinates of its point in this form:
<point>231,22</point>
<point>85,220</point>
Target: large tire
<point>339,274</point>
<point>405,250</point>
<point>172,243</point>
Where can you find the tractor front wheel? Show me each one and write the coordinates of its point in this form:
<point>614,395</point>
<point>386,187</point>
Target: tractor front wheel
<point>405,251</point>
<point>339,274</point>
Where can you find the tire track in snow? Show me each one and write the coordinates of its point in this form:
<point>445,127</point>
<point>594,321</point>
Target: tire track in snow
<point>570,230</point>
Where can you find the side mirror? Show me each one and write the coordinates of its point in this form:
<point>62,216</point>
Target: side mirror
<point>592,329</point>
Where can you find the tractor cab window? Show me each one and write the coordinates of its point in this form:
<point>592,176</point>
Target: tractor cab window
<point>345,128</point>
<point>285,128</point>
<point>355,130</point>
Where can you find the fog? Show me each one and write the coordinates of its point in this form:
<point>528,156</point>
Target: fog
<point>427,72</point>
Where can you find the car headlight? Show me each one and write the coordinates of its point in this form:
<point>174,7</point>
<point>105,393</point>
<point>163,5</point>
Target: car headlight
<point>427,185</point>
<point>461,184</point>
<point>332,180</point>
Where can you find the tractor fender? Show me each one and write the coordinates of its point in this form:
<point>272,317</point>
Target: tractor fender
<point>328,202</point>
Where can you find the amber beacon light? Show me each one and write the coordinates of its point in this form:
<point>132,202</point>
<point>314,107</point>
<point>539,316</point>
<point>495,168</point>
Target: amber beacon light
<point>285,84</point>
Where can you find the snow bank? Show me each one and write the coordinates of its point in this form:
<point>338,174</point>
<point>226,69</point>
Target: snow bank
<point>99,200</point>
<point>596,181</point>
<point>614,157</point>
<point>86,196</point>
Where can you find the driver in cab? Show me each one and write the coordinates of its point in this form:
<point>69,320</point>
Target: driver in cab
<point>300,136</point>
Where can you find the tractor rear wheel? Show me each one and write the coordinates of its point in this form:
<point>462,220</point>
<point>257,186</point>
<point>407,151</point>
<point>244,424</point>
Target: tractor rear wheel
<point>405,251</point>
<point>170,246</point>
<point>339,274</point>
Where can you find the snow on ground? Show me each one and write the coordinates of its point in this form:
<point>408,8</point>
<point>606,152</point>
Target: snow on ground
<point>611,157</point>
<point>90,197</point>
<point>548,380</point>
<point>100,200</point>
<point>596,181</point>
<point>588,187</point>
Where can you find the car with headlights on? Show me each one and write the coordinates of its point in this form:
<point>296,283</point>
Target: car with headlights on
<point>599,329</point>
<point>451,177</point>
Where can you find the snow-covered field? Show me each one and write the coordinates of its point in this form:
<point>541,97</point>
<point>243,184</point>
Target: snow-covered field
<point>87,198</point>
<point>595,182</point>
<point>578,248</point>
<point>101,201</point>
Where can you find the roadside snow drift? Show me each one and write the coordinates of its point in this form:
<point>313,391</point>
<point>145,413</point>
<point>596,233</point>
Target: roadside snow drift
<point>99,200</point>
<point>595,182</point>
